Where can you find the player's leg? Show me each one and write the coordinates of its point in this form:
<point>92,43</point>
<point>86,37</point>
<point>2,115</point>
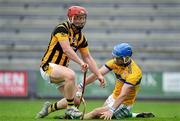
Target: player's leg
<point>96,113</point>
<point>62,104</point>
<point>51,107</point>
<point>68,89</point>
<point>61,75</point>
<point>123,111</point>
<point>47,107</point>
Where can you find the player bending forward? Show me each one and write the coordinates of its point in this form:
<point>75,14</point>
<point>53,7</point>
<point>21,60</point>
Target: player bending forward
<point>128,80</point>
<point>66,39</point>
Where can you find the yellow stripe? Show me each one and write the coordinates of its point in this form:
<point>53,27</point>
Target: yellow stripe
<point>49,50</point>
<point>62,59</point>
<point>81,40</point>
<point>55,56</point>
<point>70,103</point>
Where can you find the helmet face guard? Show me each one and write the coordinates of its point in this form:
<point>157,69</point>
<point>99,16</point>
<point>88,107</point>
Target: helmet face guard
<point>122,53</point>
<point>122,60</point>
<point>77,16</point>
<point>78,21</point>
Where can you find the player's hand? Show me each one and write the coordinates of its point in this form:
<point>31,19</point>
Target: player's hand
<point>107,115</point>
<point>79,91</point>
<point>78,94</point>
<point>102,81</point>
<point>84,67</point>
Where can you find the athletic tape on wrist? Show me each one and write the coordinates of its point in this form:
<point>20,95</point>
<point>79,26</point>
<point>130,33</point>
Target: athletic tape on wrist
<point>81,85</point>
<point>111,109</point>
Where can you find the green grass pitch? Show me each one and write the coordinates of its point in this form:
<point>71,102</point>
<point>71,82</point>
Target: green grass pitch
<point>25,110</point>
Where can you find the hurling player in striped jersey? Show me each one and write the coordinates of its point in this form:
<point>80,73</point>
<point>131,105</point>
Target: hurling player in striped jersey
<point>66,39</point>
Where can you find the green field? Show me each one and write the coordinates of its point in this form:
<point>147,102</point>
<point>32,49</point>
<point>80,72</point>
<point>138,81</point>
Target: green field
<point>25,110</point>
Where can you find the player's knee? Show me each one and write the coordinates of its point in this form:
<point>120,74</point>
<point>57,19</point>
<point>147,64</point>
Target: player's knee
<point>70,76</point>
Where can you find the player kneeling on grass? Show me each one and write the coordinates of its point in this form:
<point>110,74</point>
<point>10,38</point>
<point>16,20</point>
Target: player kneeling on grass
<point>128,74</point>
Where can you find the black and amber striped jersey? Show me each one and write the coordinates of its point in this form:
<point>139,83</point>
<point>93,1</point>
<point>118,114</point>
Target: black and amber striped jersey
<point>54,52</point>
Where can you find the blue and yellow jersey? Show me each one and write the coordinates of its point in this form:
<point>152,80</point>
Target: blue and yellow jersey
<point>54,52</point>
<point>130,74</point>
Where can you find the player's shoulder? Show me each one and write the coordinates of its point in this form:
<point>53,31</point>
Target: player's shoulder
<point>133,63</point>
<point>110,63</point>
<point>135,67</point>
<point>62,27</point>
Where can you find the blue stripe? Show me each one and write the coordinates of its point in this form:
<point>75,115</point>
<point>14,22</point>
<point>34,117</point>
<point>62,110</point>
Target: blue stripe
<point>108,67</point>
<point>129,83</point>
<point>121,80</point>
<point>124,81</point>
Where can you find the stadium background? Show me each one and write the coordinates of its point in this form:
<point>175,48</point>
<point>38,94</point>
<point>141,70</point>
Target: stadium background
<point>152,27</point>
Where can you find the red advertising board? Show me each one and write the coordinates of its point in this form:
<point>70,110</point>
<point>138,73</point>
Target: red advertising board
<point>13,83</point>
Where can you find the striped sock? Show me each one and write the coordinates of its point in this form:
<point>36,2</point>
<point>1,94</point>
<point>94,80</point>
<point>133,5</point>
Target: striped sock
<point>53,107</point>
<point>70,103</point>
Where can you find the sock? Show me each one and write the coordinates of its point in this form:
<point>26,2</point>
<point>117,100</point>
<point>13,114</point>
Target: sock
<point>53,107</point>
<point>70,103</point>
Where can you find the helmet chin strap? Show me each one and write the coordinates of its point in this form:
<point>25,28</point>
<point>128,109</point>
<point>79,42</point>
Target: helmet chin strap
<point>72,20</point>
<point>126,61</point>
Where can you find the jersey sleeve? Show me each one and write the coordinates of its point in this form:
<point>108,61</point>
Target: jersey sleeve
<point>83,47</point>
<point>109,64</point>
<point>84,50</point>
<point>83,43</point>
<point>61,33</point>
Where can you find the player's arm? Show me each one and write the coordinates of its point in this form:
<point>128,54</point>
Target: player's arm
<point>125,91</point>
<point>92,77</point>
<point>91,62</point>
<point>85,54</point>
<point>130,82</point>
<point>70,52</point>
<point>62,35</point>
<point>107,115</point>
